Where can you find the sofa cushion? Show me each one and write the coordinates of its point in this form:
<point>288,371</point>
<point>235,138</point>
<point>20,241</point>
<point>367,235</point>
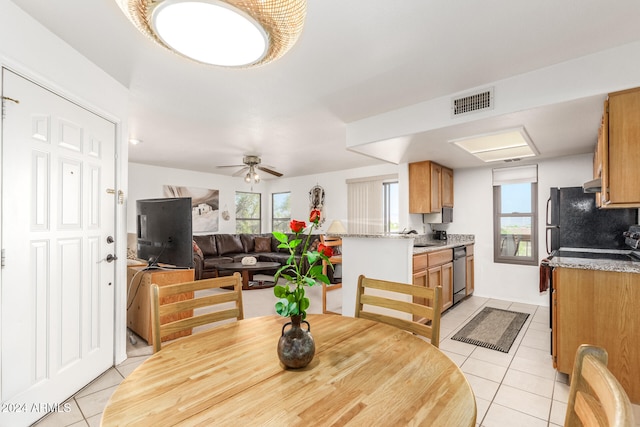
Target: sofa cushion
<point>213,263</point>
<point>262,244</point>
<point>207,243</point>
<point>229,244</point>
<point>248,243</point>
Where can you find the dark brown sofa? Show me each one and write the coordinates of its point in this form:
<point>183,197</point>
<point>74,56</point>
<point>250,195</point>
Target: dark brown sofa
<point>220,249</point>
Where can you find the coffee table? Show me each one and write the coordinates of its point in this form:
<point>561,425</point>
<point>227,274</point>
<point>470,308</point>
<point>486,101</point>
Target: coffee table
<point>248,270</point>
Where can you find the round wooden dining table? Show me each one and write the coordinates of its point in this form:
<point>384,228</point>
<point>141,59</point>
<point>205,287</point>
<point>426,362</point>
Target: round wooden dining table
<point>364,373</point>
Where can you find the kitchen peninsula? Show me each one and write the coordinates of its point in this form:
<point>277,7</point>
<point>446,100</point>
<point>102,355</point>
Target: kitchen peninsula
<point>386,257</point>
<point>597,301</point>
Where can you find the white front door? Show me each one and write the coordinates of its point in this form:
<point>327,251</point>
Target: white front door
<point>57,295</point>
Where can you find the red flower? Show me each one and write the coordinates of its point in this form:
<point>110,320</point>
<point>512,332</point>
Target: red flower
<point>314,216</point>
<point>325,250</point>
<point>297,226</point>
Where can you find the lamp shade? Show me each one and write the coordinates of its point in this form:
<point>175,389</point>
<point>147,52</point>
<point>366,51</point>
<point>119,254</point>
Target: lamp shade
<point>336,227</point>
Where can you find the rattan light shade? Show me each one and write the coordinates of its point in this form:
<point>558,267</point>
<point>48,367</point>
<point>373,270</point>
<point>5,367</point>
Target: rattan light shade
<point>282,21</point>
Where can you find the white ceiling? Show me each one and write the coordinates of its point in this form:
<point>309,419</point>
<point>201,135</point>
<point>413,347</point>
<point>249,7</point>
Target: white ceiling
<point>355,59</point>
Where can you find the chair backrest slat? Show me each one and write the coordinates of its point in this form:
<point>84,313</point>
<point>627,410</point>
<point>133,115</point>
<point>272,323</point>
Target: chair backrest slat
<point>427,319</point>
<point>208,297</point>
<point>596,398</point>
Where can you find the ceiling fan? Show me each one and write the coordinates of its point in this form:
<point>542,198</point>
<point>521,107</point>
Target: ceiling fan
<point>251,163</point>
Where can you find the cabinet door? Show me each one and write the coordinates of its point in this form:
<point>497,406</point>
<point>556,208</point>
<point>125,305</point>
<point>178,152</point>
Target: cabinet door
<point>420,187</point>
<point>623,148</point>
<point>447,187</point>
<point>436,187</point>
<point>469,275</point>
<point>446,277</point>
<point>419,279</point>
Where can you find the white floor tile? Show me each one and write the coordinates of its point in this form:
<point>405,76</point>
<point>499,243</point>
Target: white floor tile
<point>93,404</point>
<point>531,383</point>
<point>492,356</point>
<point>500,416</point>
<point>482,387</point>
<point>484,370</point>
<point>482,406</point>
<point>57,419</point>
<point>457,347</point>
<point>523,401</point>
<point>558,412</point>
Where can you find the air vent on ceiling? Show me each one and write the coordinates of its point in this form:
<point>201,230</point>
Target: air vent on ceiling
<point>471,103</point>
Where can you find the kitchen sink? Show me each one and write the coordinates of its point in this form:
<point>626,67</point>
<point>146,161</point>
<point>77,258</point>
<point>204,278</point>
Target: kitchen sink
<point>424,245</point>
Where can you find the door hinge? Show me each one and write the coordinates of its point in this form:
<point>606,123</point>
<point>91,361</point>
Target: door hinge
<point>2,259</point>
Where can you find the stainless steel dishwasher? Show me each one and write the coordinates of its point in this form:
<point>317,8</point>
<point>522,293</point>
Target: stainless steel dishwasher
<point>459,273</point>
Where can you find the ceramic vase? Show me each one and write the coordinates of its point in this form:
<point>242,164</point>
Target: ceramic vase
<point>296,346</point>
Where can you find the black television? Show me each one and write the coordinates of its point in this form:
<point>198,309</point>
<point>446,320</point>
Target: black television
<point>164,231</point>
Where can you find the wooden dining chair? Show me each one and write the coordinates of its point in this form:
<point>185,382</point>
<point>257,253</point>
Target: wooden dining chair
<point>428,317</point>
<point>333,242</point>
<point>169,318</point>
<point>596,398</point>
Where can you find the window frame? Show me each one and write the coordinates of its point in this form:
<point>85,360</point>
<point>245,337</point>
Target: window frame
<point>497,217</point>
<point>274,218</point>
<point>386,211</point>
<point>241,219</point>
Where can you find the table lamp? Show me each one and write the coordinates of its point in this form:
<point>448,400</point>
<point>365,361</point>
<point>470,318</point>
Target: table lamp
<point>336,228</point>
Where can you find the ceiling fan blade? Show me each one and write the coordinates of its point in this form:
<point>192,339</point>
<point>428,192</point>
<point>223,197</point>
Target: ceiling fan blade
<point>241,171</point>
<point>230,166</point>
<point>271,171</point>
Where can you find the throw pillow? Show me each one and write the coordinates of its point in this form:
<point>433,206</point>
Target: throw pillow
<point>313,246</point>
<point>263,244</point>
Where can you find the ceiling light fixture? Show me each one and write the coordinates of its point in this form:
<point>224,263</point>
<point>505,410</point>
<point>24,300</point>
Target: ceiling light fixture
<point>509,144</point>
<point>252,175</point>
<point>229,33</point>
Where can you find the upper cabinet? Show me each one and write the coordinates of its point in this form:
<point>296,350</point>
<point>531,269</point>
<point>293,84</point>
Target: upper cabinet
<point>618,151</point>
<point>430,187</point>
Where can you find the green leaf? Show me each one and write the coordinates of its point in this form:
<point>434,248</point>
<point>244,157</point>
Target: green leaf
<point>280,237</point>
<point>304,304</point>
<point>323,279</point>
<point>280,291</point>
<point>313,257</point>
<point>315,271</point>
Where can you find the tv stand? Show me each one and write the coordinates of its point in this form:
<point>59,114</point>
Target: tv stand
<point>139,280</point>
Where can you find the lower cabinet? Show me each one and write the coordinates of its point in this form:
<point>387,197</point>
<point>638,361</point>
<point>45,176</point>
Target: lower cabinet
<point>599,308</point>
<point>435,269</point>
<point>469,279</point>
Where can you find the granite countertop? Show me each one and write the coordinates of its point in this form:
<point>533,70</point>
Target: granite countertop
<point>596,264</point>
<point>453,240</point>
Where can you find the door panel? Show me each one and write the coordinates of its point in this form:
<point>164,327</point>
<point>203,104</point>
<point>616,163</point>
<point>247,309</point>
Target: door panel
<point>57,297</point>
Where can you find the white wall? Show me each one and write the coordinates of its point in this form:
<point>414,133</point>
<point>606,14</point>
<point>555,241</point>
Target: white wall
<point>147,182</point>
<point>473,211</point>
<point>473,214</point>
<point>29,49</point>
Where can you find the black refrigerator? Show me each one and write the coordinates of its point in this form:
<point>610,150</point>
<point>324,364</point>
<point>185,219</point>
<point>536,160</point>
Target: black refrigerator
<point>574,221</point>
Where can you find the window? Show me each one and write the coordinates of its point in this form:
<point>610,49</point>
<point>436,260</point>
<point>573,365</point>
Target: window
<point>280,212</point>
<point>366,205</point>
<point>515,192</point>
<point>248,217</point>
<point>390,205</point>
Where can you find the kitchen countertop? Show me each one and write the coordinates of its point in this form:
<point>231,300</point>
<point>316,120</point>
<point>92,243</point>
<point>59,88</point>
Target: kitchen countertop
<point>452,241</point>
<point>596,264</point>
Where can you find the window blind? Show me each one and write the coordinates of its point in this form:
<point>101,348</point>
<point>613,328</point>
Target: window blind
<point>515,175</point>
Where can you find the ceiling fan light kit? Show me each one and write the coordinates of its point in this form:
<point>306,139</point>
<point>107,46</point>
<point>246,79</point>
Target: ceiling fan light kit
<point>229,33</point>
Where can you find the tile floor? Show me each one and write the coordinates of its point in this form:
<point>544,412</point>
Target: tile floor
<point>519,388</point>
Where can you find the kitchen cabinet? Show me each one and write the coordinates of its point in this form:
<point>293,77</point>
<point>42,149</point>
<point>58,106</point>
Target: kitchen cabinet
<point>599,308</point>
<point>435,269</point>
<point>430,187</point>
<point>618,151</point>
<point>469,271</point>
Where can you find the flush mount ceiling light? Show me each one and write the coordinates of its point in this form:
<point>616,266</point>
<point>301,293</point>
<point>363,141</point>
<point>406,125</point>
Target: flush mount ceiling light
<point>509,144</point>
<point>252,175</point>
<point>230,33</point>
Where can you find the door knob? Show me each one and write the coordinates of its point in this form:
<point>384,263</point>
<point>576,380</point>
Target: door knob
<point>110,239</point>
<point>111,258</point>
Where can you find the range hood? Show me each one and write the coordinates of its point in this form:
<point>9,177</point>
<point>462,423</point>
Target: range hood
<point>593,186</point>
